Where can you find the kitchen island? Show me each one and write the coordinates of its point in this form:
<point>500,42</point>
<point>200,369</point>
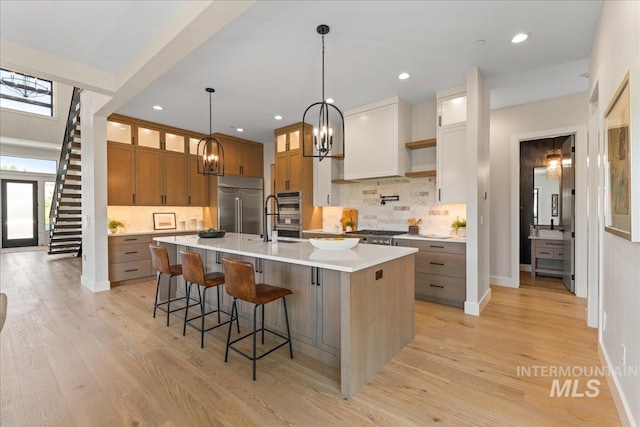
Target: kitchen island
<point>352,309</point>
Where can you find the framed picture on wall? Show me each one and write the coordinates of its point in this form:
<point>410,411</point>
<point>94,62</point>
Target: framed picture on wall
<point>164,221</point>
<point>622,161</point>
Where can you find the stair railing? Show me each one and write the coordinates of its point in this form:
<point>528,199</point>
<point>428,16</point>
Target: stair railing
<point>72,122</point>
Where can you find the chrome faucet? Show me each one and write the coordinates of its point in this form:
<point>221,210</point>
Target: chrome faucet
<point>265,233</point>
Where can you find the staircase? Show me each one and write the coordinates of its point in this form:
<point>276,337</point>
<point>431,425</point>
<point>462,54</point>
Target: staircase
<point>65,218</point>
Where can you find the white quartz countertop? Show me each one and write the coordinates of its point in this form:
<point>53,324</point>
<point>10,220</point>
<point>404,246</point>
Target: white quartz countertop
<point>428,237</point>
<point>295,252</point>
<point>147,232</point>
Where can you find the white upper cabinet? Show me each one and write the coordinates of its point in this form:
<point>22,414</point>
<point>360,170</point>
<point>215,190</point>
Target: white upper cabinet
<point>451,147</point>
<point>375,137</point>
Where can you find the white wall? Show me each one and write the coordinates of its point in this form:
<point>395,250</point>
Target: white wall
<point>478,208</point>
<point>616,50</point>
<point>555,113</point>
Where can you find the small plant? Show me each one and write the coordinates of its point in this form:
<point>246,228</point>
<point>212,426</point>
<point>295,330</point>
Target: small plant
<point>113,224</point>
<point>349,223</point>
<point>459,223</point>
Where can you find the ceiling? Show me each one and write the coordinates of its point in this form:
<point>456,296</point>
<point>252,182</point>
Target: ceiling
<point>267,61</point>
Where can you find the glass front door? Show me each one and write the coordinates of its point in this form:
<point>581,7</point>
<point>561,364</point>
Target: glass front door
<point>19,213</point>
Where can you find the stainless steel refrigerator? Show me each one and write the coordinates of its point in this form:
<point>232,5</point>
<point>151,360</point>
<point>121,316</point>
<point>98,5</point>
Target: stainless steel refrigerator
<point>240,204</point>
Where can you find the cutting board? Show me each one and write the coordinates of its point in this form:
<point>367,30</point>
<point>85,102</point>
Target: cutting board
<point>350,214</point>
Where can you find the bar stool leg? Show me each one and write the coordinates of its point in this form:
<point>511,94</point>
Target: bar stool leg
<point>255,315</point>
<point>202,307</point>
<point>169,299</point>
<point>155,305</point>
<point>233,310</point>
<point>262,323</point>
<point>218,290</point>
<point>286,318</point>
<point>187,286</point>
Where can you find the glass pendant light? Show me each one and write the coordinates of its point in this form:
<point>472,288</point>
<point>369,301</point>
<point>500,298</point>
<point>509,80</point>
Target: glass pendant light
<point>554,162</point>
<point>210,151</point>
<point>327,119</point>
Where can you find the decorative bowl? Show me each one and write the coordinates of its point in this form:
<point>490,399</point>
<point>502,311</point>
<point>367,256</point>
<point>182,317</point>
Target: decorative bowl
<point>334,243</point>
<point>207,234</point>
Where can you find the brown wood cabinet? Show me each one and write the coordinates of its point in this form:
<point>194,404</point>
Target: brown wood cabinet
<point>290,165</point>
<point>161,178</point>
<point>157,171</point>
<point>197,184</point>
<point>241,156</point>
<point>120,174</point>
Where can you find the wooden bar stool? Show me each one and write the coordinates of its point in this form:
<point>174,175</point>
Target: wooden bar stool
<point>193,273</point>
<point>241,285</point>
<point>160,262</point>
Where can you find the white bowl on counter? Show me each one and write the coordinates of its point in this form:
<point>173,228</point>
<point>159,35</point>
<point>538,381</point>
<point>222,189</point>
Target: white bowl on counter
<point>333,243</point>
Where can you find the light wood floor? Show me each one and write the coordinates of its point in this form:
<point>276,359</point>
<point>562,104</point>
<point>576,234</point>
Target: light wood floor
<point>70,357</point>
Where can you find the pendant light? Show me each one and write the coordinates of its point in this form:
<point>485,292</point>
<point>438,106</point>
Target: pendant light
<point>327,119</point>
<point>210,151</point>
<point>554,162</point>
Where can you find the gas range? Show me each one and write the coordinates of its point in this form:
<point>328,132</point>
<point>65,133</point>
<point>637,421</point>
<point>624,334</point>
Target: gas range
<point>375,237</point>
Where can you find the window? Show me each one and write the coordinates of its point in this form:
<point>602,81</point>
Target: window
<point>22,164</point>
<point>49,188</point>
<point>26,93</point>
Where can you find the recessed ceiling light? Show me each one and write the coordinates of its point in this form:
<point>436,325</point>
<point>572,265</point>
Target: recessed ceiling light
<point>404,76</point>
<point>239,130</point>
<point>519,38</point>
<point>329,100</point>
<point>479,42</point>
<point>158,107</point>
<point>278,117</point>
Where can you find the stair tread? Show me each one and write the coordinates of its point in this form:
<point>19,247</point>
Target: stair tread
<point>63,251</point>
<point>66,233</point>
<point>55,239</point>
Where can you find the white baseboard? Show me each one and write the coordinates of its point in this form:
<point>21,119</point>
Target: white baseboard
<point>504,281</point>
<point>474,308</point>
<point>525,267</point>
<point>624,412</point>
<point>94,286</point>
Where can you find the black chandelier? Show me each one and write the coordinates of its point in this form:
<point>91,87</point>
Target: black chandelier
<point>329,124</point>
<point>210,151</point>
<point>24,85</point>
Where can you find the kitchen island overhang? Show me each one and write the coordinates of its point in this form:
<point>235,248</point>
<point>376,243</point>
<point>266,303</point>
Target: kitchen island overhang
<point>353,309</point>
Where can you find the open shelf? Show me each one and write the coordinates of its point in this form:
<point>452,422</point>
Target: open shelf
<point>342,181</point>
<point>420,174</point>
<point>424,143</point>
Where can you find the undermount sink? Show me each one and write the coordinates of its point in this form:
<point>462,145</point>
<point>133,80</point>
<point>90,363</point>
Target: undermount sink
<point>549,234</point>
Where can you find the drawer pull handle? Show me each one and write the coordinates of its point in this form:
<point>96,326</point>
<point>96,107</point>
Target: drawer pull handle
<point>436,286</point>
<point>434,246</point>
<point>129,271</point>
<point>546,253</point>
<point>129,253</point>
<point>436,263</point>
<point>130,240</point>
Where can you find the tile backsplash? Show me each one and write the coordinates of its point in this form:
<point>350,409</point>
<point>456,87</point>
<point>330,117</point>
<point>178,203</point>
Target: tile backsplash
<point>140,218</point>
<point>417,199</point>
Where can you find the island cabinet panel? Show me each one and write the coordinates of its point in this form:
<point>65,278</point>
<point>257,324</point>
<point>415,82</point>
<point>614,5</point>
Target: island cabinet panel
<point>120,174</point>
<point>328,311</point>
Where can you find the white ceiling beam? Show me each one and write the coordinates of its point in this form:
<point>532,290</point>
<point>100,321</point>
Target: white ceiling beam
<point>192,25</point>
<point>26,60</point>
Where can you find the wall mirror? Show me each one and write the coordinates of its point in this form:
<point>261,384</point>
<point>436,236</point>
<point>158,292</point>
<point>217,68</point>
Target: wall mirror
<point>546,200</point>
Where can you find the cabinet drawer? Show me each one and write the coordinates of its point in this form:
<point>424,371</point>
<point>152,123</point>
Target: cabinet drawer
<point>441,289</point>
<point>558,253</point>
<point>545,253</point>
<point>126,253</point>
<point>549,244</point>
<point>431,246</point>
<point>129,270</point>
<point>122,240</point>
<point>441,263</point>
